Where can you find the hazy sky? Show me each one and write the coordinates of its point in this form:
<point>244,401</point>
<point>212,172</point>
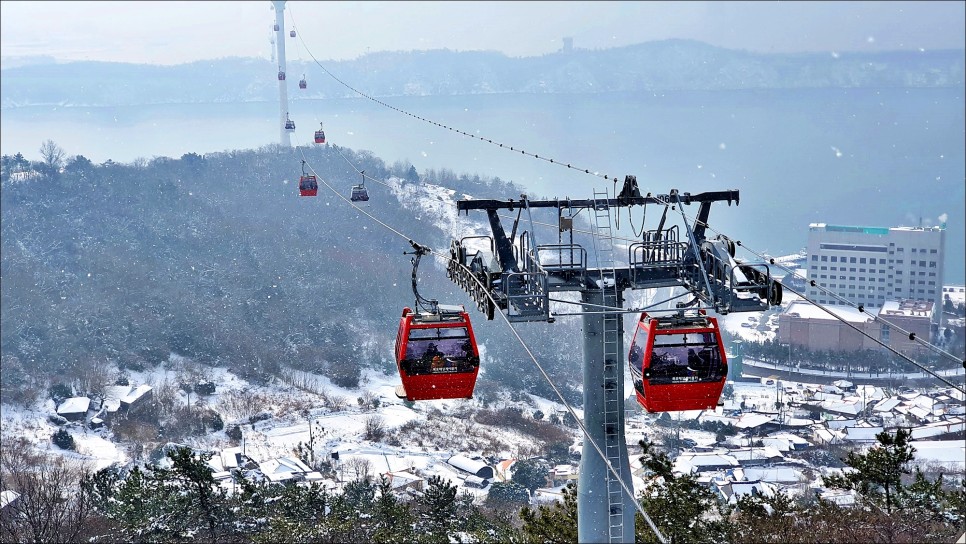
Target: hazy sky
<point>177,32</point>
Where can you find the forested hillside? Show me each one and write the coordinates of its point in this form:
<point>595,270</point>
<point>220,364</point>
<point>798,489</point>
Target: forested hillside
<point>218,259</point>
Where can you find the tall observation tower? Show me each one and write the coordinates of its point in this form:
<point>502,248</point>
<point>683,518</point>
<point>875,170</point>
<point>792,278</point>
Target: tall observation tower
<point>284,139</point>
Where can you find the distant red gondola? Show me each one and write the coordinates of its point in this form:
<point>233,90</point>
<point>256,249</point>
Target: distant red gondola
<point>320,135</point>
<point>436,354</point>
<point>678,362</point>
<point>308,184</point>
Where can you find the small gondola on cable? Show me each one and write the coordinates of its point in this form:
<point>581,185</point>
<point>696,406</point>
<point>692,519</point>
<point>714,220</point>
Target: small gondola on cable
<point>302,83</point>
<point>281,75</point>
<point>320,135</point>
<point>289,124</point>
<point>678,362</point>
<point>308,184</point>
<point>359,192</point>
<point>436,351</point>
<point>291,33</point>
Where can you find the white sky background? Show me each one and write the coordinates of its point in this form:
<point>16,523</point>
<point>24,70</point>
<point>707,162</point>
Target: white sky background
<point>179,32</point>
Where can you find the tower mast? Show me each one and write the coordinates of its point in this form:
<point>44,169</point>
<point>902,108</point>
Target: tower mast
<point>284,139</point>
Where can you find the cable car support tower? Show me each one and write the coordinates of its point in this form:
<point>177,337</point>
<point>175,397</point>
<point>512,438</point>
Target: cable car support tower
<point>518,275</point>
<point>284,136</point>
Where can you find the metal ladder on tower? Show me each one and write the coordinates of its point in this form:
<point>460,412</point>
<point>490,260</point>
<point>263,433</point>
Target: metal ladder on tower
<point>613,409</point>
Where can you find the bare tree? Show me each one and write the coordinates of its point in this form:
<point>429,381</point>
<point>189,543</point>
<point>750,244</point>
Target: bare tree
<point>375,429</point>
<point>52,505</point>
<point>360,467</point>
<point>52,154</point>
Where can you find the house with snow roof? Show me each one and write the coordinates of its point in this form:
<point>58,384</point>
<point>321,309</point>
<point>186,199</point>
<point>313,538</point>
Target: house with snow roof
<point>688,463</point>
<point>284,469</point>
<point>139,397</point>
<point>74,408</point>
<point>403,480</point>
<point>756,455</point>
<point>8,504</point>
<point>731,491</point>
<point>475,465</point>
<point>862,435</point>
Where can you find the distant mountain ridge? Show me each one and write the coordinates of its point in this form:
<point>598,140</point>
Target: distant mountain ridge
<point>647,67</point>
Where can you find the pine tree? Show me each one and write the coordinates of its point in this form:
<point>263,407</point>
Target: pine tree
<point>556,523</point>
<point>437,509</point>
<point>683,509</point>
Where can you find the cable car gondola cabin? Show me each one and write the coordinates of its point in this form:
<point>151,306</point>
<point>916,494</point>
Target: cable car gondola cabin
<point>678,363</point>
<point>320,136</point>
<point>291,33</point>
<point>308,186</point>
<point>281,75</point>
<point>303,84</point>
<point>359,192</point>
<point>436,354</point>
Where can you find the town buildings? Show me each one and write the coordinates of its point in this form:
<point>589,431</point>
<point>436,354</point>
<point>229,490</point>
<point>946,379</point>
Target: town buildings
<point>873,265</point>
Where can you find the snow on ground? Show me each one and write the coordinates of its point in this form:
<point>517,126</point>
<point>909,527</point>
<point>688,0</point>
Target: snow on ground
<point>93,447</point>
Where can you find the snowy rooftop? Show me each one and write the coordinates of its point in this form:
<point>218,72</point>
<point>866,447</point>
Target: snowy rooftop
<point>137,393</point>
<point>948,452</point>
<point>74,405</point>
<point>806,310</point>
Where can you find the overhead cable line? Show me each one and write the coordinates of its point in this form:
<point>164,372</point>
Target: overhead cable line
<point>444,126</point>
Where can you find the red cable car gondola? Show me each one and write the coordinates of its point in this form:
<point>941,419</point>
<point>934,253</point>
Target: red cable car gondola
<point>678,362</point>
<point>436,354</point>
<point>436,351</point>
<point>308,184</point>
<point>320,135</point>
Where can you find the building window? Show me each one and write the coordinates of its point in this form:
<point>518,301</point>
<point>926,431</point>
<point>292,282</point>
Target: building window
<point>814,257</point>
<point>933,251</point>
<point>932,273</point>
<point>824,258</point>
<point>882,261</point>
<point>922,263</point>
<point>899,261</point>
<point>861,260</point>
<point>861,270</point>
<point>824,268</point>
<point>932,264</point>
<point>822,276</point>
<point>932,292</point>
<point>831,268</point>
<point>900,249</point>
<point>851,259</point>
<point>835,259</point>
<point>913,250</point>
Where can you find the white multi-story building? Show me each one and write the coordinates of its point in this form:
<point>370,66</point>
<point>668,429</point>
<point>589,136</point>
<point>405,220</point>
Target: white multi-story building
<point>871,265</point>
